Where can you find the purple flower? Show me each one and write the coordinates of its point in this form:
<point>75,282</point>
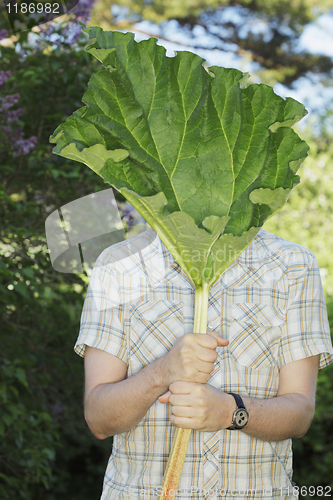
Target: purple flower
<point>13,116</point>
<point>4,75</point>
<point>5,129</point>
<point>12,136</point>
<point>3,34</point>
<point>72,31</point>
<point>8,101</point>
<point>24,146</point>
<point>65,34</point>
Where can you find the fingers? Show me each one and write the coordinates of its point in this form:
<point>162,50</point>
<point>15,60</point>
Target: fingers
<point>183,422</point>
<point>192,358</point>
<point>220,340</point>
<point>202,378</point>
<point>180,387</point>
<point>165,397</point>
<point>184,411</point>
<point>177,387</point>
<point>206,355</point>
<point>181,400</point>
<point>187,401</point>
<point>204,366</point>
<point>206,347</point>
<point>210,340</point>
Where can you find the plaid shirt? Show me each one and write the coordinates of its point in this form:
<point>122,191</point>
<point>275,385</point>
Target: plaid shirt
<point>270,305</point>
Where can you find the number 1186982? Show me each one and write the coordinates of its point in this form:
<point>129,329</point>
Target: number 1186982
<point>311,491</point>
<point>32,8</point>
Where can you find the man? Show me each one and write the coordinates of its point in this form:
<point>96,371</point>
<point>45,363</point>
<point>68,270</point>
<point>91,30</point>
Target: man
<point>246,388</point>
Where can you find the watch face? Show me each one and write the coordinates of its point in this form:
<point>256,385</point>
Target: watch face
<point>241,418</point>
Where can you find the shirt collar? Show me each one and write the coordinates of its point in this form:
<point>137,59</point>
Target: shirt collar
<point>248,259</point>
<point>258,262</point>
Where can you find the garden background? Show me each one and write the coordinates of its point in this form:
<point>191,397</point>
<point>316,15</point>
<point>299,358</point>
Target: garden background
<point>47,451</point>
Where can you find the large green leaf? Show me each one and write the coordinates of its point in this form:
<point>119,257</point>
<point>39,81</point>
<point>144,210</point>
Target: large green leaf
<point>203,158</point>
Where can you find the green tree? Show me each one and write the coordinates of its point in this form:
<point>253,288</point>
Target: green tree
<point>263,31</point>
<point>46,447</point>
<point>307,219</point>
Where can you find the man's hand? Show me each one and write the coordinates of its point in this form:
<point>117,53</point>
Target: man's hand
<point>199,406</point>
<point>191,358</point>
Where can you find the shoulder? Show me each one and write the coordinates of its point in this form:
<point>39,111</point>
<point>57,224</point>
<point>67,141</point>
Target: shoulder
<point>294,259</point>
<point>125,255</point>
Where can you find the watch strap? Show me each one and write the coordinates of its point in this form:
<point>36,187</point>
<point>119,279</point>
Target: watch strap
<point>238,399</point>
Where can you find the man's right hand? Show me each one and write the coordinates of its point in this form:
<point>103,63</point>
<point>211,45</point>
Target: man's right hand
<point>191,358</point>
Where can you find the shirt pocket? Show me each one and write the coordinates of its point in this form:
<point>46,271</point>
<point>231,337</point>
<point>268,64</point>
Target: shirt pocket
<point>255,334</point>
<point>155,327</point>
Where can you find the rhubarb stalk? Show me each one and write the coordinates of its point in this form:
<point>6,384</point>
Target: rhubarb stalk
<point>182,436</point>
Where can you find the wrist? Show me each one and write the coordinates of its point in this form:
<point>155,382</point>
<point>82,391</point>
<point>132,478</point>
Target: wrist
<point>228,408</point>
<point>231,408</point>
<point>159,375</point>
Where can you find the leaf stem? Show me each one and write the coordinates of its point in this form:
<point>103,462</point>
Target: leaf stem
<point>182,436</point>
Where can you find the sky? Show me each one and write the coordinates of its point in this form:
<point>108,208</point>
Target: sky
<point>317,38</point>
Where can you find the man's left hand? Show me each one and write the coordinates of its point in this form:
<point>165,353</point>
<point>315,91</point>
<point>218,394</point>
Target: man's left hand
<point>199,406</point>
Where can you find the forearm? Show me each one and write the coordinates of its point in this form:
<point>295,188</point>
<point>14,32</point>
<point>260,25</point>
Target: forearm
<point>288,415</point>
<point>279,418</point>
<point>114,408</point>
<point>114,404</point>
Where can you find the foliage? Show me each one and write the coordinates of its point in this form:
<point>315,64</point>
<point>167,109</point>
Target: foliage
<point>265,31</point>
<point>11,134</point>
<point>308,216</point>
<point>159,10</point>
<point>28,436</point>
<point>46,447</point>
<point>307,219</point>
<point>313,454</point>
<point>64,32</point>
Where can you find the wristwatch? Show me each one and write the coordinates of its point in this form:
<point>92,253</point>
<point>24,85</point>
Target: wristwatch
<point>240,417</point>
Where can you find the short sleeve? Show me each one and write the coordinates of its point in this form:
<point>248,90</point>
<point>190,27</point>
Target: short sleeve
<point>306,332</point>
<point>102,318</point>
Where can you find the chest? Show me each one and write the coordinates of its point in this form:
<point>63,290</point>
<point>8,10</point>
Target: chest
<point>247,310</point>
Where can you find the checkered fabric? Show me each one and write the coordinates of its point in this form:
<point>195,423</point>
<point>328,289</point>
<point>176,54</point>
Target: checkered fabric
<point>270,305</point>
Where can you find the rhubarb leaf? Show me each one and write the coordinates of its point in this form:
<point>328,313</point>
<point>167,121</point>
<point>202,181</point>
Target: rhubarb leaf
<point>204,158</point>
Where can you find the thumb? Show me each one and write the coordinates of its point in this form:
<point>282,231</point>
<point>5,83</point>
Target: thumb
<point>165,397</point>
<point>220,340</point>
